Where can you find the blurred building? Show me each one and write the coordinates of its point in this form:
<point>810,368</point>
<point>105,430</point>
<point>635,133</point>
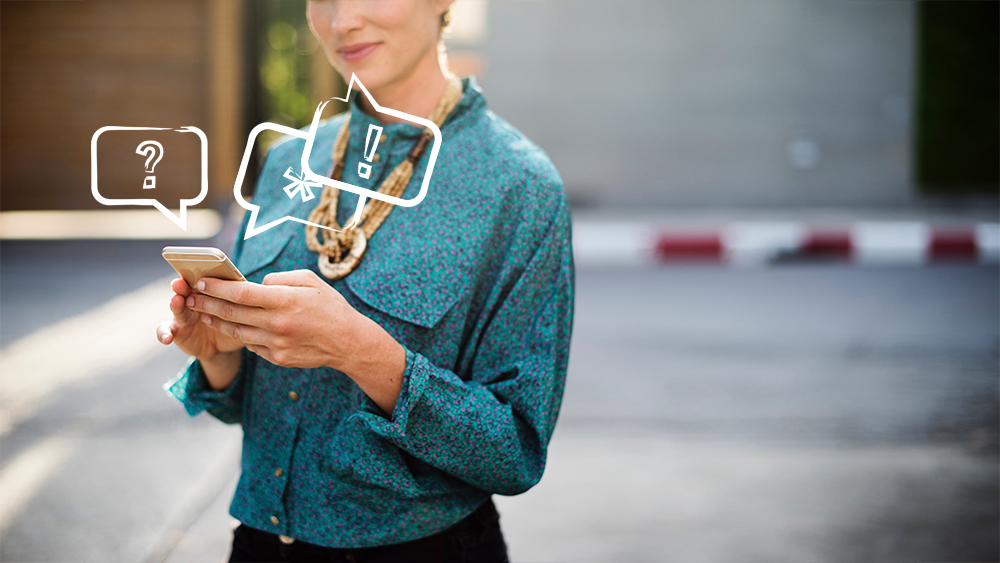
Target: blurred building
<point>638,102</point>
<point>70,68</point>
<point>715,102</point>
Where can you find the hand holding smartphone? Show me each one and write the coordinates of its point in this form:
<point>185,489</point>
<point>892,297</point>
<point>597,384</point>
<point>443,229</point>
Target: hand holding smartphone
<point>218,354</point>
<point>196,262</point>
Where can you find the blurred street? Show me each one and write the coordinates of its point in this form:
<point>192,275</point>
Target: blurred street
<point>801,412</point>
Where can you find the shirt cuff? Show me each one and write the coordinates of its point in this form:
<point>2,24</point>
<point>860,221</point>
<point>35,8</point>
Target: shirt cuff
<point>393,427</point>
<point>192,389</point>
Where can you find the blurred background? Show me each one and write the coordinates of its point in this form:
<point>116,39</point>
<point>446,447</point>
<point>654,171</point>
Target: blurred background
<point>787,332</point>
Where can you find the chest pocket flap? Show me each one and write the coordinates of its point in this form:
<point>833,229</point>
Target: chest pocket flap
<point>419,290</point>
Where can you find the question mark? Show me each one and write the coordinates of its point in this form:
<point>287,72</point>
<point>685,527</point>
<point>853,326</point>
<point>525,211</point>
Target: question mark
<point>149,148</point>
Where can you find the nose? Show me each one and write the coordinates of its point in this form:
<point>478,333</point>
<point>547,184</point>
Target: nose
<point>346,16</point>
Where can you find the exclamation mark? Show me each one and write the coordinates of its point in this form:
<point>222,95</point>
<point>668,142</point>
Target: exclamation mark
<point>365,170</point>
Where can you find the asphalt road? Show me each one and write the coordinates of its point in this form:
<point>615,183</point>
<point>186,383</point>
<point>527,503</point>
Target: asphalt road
<point>794,413</point>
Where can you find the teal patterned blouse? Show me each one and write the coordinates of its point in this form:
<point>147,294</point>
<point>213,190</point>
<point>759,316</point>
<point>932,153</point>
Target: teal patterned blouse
<point>476,282</point>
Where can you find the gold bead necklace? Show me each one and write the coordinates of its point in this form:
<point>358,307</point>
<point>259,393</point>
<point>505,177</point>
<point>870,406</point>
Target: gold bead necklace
<point>342,250</point>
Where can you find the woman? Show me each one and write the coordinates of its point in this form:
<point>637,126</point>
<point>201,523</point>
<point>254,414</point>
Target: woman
<point>385,393</point>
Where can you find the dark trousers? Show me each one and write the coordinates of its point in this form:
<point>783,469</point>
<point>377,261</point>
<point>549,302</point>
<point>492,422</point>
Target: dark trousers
<point>476,538</point>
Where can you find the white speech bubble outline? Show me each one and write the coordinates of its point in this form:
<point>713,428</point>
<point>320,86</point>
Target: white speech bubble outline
<point>308,174</point>
<point>181,220</point>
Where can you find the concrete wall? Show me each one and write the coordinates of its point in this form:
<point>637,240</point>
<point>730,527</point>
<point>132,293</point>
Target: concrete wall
<point>711,102</point>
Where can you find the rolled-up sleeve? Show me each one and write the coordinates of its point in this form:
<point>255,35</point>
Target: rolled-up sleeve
<point>492,429</point>
<point>192,389</point>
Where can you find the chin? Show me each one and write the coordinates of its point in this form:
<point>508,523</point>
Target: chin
<point>373,79</point>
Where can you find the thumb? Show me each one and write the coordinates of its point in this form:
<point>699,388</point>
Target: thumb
<point>295,278</point>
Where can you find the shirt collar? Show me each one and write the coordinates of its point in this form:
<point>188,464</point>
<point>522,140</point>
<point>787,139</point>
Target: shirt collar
<point>471,103</point>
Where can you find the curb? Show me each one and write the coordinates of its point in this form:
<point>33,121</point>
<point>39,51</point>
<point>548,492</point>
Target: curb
<point>765,243</point>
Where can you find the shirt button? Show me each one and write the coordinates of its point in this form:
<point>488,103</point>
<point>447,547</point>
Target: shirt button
<point>383,138</point>
<point>274,519</point>
<point>293,395</point>
<point>286,539</point>
<point>277,472</point>
<point>376,157</point>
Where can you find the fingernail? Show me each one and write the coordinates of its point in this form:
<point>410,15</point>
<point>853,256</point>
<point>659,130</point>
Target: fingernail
<point>201,284</point>
<point>207,319</point>
<point>190,301</point>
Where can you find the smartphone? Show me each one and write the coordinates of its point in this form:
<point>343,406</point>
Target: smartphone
<point>196,262</point>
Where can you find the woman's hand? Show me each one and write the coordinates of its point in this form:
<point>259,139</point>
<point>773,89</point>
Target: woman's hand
<point>185,330</point>
<point>218,354</point>
<point>296,319</point>
<point>293,319</point>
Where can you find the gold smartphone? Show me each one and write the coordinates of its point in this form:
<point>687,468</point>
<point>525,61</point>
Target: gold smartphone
<point>196,262</point>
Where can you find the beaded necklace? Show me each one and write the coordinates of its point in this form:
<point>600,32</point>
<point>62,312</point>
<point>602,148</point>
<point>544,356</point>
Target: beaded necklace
<point>342,250</point>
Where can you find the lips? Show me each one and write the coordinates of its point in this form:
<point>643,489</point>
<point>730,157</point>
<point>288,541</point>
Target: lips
<point>357,51</point>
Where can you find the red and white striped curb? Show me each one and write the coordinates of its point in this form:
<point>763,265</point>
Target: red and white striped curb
<point>762,243</point>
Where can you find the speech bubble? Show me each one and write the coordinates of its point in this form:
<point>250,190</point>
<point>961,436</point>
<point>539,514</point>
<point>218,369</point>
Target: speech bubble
<point>181,218</point>
<point>307,175</point>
